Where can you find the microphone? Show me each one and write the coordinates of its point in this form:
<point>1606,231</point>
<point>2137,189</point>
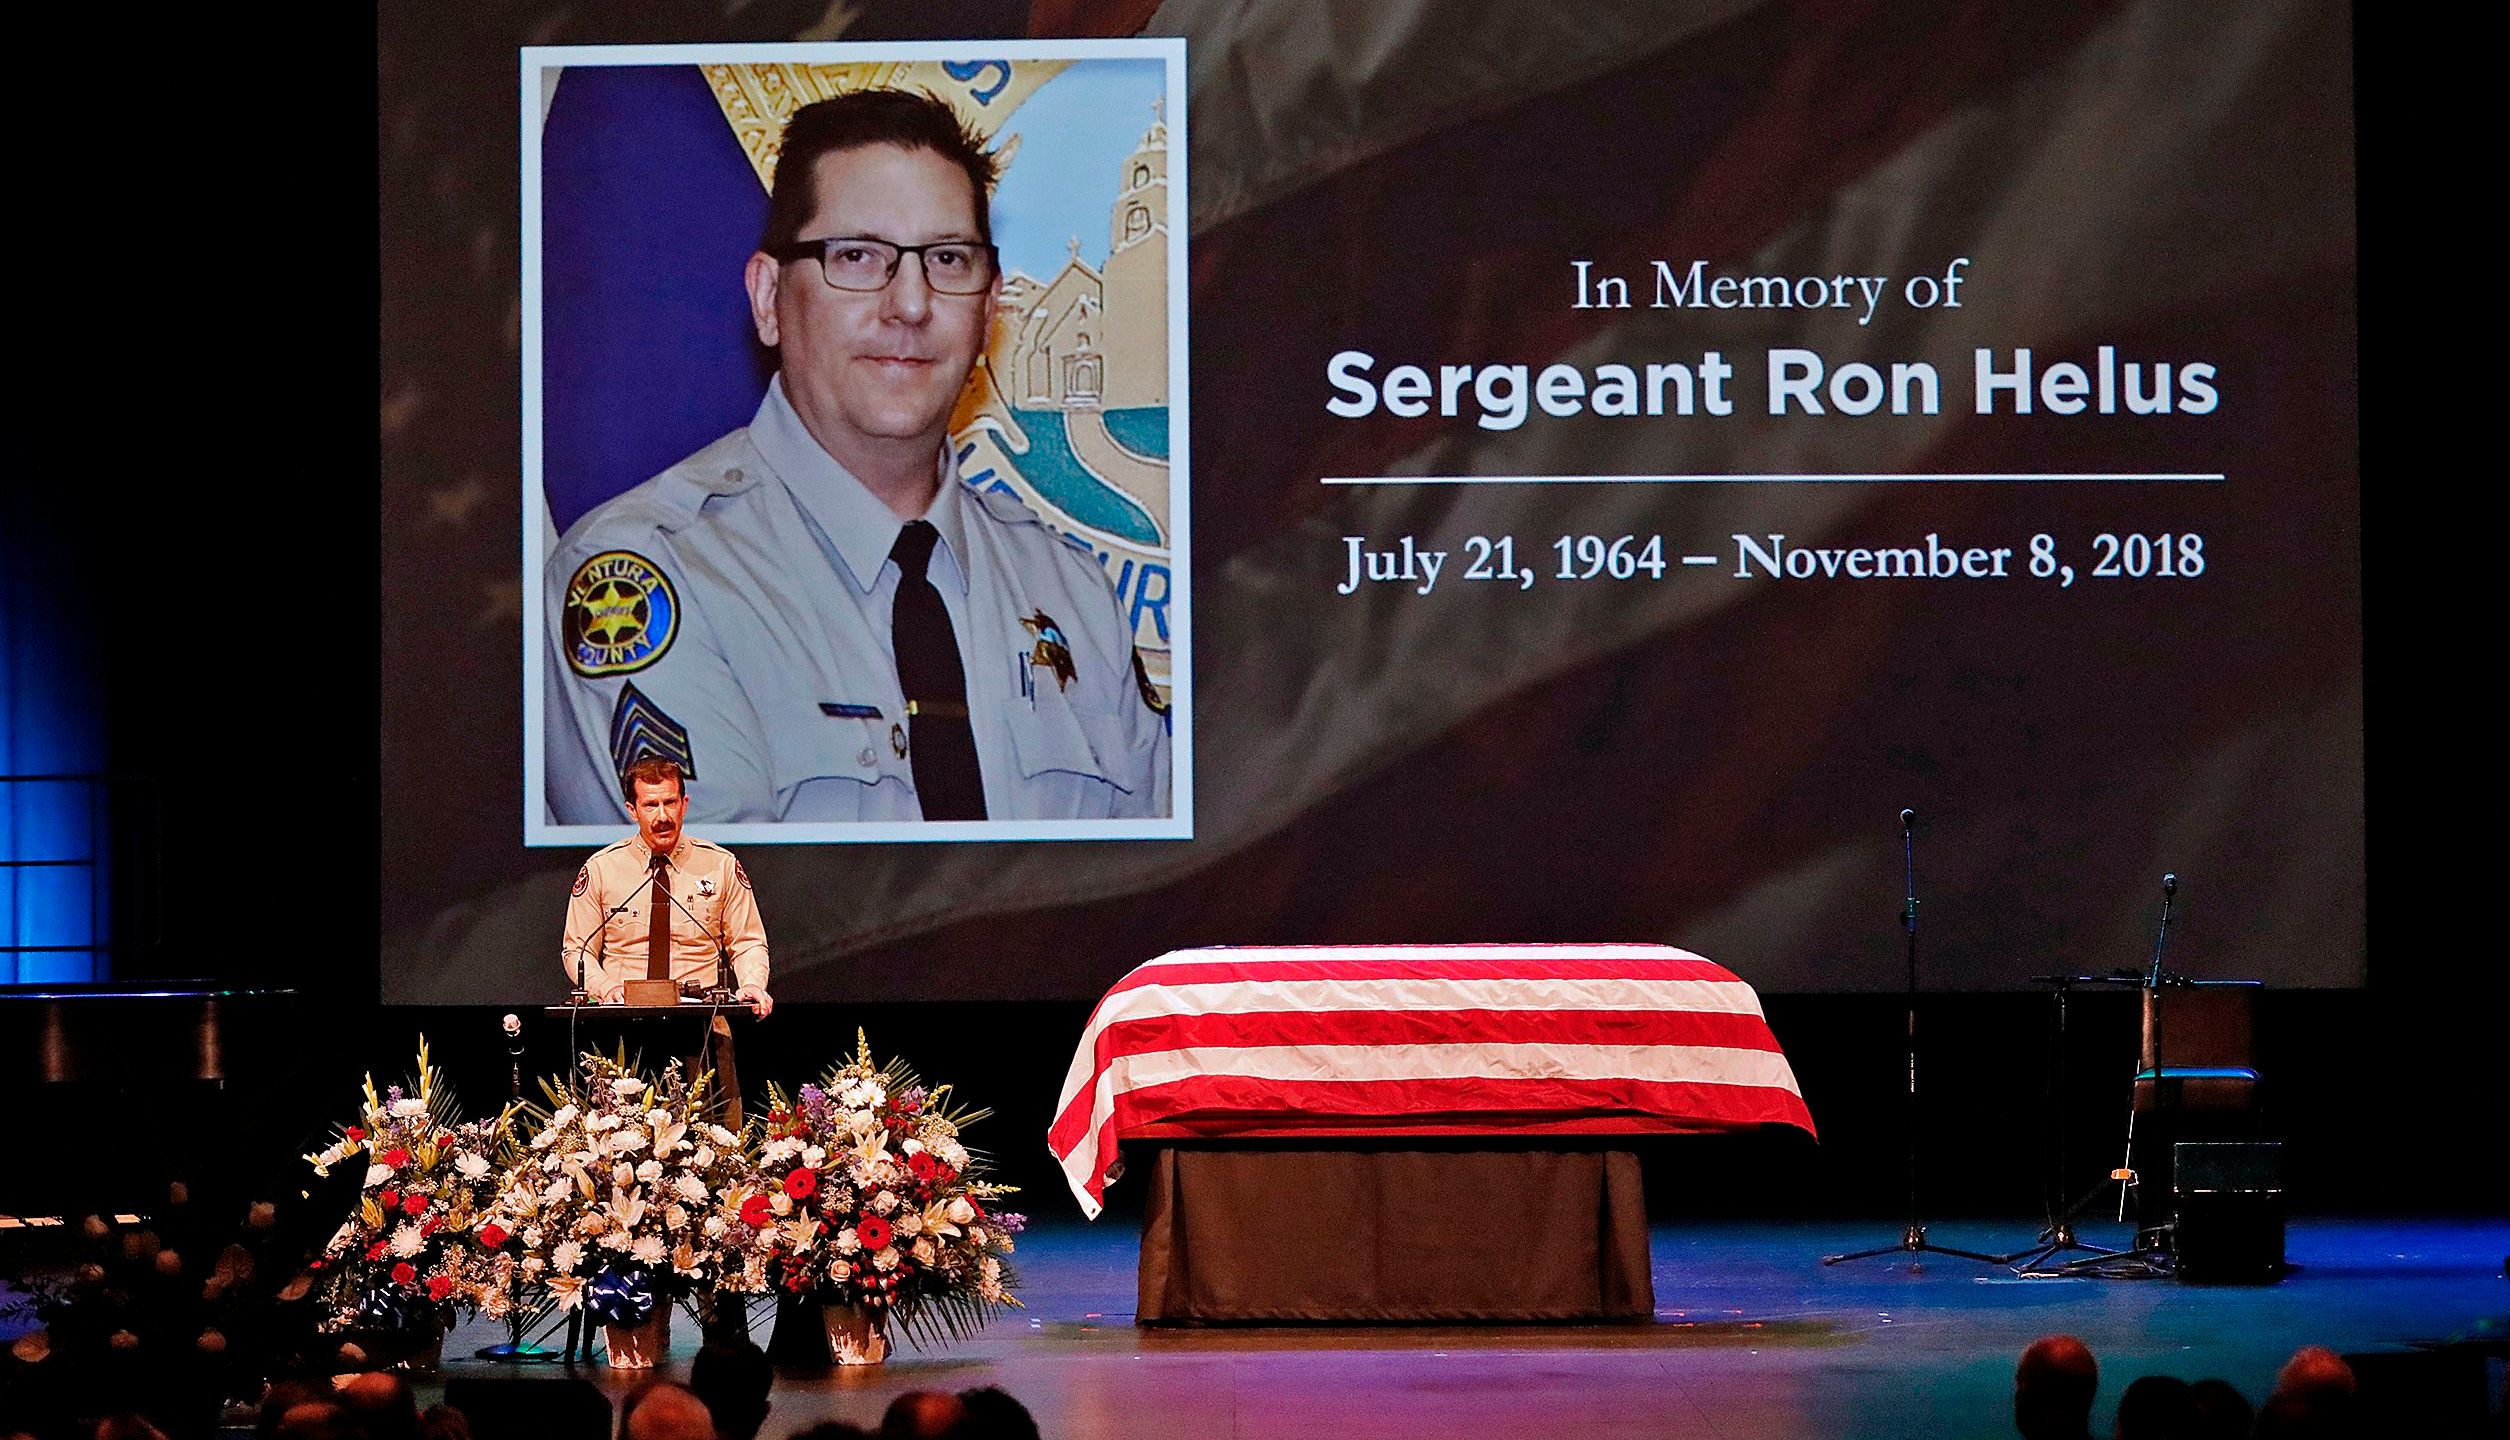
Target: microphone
<point>583,948</point>
<point>513,1026</point>
<point>2169,886</point>
<point>1907,818</point>
<point>723,952</point>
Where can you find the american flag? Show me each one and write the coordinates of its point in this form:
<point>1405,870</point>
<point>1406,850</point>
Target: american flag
<point>1418,1040</point>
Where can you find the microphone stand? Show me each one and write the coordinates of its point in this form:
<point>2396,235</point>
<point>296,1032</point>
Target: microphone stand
<point>2151,1257</point>
<point>1913,1239</point>
<point>716,998</point>
<point>2161,1091</point>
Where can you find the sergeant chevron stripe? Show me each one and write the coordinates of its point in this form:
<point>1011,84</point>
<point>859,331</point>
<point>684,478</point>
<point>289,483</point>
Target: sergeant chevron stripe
<point>638,728</point>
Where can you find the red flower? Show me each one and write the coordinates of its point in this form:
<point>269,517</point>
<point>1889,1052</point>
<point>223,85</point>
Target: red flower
<point>377,1251</point>
<point>388,1198</point>
<point>922,1165</point>
<point>431,1225</point>
<point>396,1157</point>
<point>493,1236</point>
<point>357,1132</point>
<point>438,1287</point>
<point>802,1184</point>
<point>413,1205</point>
<point>873,1232</point>
<point>404,1274</point>
<point>757,1213</point>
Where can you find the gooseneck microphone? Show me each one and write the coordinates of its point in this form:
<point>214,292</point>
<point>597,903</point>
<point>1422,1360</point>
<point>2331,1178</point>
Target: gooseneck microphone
<point>583,948</point>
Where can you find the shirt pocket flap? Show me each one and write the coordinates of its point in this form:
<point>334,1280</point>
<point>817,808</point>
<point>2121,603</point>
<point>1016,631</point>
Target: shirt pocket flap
<point>1050,738</point>
<point>834,747</point>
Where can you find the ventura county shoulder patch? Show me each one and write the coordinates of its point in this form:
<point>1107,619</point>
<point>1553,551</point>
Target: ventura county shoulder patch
<point>621,614</point>
<point>638,728</point>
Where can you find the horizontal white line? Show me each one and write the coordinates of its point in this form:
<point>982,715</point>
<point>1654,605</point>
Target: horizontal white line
<point>1699,559</point>
<point>1874,477</point>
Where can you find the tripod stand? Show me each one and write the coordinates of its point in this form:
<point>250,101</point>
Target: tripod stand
<point>1913,1239</point>
<point>2152,1256</point>
<point>2059,1238</point>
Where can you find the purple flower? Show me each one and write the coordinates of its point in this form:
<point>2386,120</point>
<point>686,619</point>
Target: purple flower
<point>1009,1223</point>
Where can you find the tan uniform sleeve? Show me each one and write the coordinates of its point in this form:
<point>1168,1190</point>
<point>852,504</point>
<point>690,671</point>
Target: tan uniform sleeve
<point>744,931</point>
<point>583,925</point>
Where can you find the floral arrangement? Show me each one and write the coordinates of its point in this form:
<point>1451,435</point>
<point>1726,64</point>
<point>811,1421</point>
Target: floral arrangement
<point>869,1198</point>
<point>410,1252</point>
<point>625,1198</point>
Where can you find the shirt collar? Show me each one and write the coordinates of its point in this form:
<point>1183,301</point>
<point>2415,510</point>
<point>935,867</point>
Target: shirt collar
<point>855,522</point>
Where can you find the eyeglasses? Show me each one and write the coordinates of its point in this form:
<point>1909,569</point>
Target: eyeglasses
<point>858,262</point>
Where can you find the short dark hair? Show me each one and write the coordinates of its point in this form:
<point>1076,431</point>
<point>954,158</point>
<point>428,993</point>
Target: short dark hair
<point>909,119</point>
<point>650,770</point>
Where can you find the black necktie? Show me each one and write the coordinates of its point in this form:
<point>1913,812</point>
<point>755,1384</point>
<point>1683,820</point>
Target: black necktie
<point>658,933</point>
<point>941,747</point>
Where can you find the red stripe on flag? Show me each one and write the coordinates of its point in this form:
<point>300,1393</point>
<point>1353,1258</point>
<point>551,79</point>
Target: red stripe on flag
<point>1396,1104</point>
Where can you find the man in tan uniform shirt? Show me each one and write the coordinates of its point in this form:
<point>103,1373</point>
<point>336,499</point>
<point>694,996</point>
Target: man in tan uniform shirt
<point>706,903</point>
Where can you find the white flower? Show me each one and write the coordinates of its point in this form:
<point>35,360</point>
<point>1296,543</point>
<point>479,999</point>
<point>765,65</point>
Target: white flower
<point>623,1174</point>
<point>910,1223</point>
<point>629,1208</point>
<point>815,1156</point>
<point>715,1226</point>
<point>704,1158</point>
<point>924,1251</point>
<point>406,1241</point>
<point>565,1116</point>
<point>558,1189</point>
<point>884,1202</point>
<point>959,1210</point>
<point>376,1174</point>
<point>952,1154</point>
<point>471,1166</point>
<point>911,1146</point>
<point>674,1218</point>
<point>848,1242</point>
<point>409,1107</point>
<point>626,1085</point>
<point>531,1237</point>
<point>627,1142</point>
<point>690,1188</point>
<point>669,1134</point>
<point>600,1123</point>
<point>650,1171</point>
<point>618,1240</point>
<point>780,1149</point>
<point>649,1250</point>
<point>976,1234</point>
<point>781,1203</point>
<point>722,1136</point>
<point>567,1290</point>
<point>886,1259</point>
<point>801,1233</point>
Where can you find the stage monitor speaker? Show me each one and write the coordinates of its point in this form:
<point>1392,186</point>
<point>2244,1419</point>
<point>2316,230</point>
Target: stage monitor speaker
<point>2229,1201</point>
<point>538,1407</point>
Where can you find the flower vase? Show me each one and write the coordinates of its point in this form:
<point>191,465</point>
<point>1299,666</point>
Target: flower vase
<point>640,1347</point>
<point>856,1335</point>
<point>428,1357</point>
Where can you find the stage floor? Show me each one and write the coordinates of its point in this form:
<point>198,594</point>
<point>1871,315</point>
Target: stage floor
<point>1754,1339</point>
